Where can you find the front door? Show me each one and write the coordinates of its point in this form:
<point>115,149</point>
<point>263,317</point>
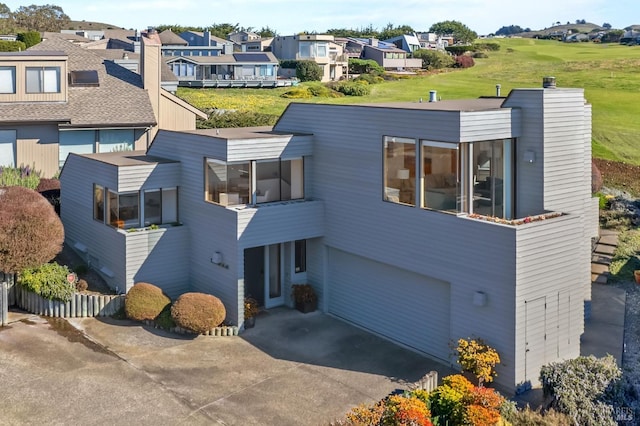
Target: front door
<point>263,276</point>
<point>273,266</point>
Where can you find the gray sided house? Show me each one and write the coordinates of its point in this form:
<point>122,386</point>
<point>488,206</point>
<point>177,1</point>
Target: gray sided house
<point>383,211</point>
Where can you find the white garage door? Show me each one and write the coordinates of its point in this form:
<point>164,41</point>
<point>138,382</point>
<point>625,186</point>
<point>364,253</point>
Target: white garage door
<point>403,306</point>
<point>8,148</point>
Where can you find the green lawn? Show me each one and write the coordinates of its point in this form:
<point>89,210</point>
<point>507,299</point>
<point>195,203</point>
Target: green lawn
<point>608,73</point>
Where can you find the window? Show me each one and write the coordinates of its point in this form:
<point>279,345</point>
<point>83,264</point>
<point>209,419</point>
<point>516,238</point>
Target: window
<point>227,184</point>
<point>300,249</point>
<point>440,174</point>
<point>160,206</point>
<point>491,178</point>
<point>7,79</point>
<point>400,170</point>
<point>279,180</point>
<point>43,79</point>
<point>98,203</point>
<point>116,140</point>
<point>77,141</point>
<point>124,209</point>
<point>275,180</point>
<point>8,140</point>
<point>304,49</point>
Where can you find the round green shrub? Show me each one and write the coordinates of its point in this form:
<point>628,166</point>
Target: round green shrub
<point>49,281</point>
<point>198,312</point>
<point>145,301</point>
<point>354,89</point>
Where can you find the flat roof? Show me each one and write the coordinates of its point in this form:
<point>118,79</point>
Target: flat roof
<point>481,104</point>
<point>128,158</point>
<point>262,132</point>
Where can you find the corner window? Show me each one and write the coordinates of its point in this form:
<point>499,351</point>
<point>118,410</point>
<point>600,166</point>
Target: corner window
<point>98,203</point>
<point>279,180</point>
<point>400,170</point>
<point>43,79</point>
<point>124,209</point>
<point>8,80</point>
<point>227,184</point>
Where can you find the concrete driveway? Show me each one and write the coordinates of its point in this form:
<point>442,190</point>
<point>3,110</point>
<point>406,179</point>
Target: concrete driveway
<point>291,369</point>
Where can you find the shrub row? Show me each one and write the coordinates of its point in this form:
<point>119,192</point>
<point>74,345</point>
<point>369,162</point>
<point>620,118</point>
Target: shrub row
<point>196,312</point>
<point>49,281</point>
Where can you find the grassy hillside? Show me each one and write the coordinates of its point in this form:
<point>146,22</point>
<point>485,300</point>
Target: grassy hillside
<point>607,72</point>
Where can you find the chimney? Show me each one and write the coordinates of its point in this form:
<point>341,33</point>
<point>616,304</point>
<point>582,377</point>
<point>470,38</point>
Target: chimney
<point>498,87</point>
<point>150,59</point>
<point>549,82</point>
<point>432,96</point>
<point>206,35</point>
<point>373,42</point>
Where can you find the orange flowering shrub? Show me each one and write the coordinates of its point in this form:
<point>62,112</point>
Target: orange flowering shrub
<point>366,414</point>
<point>402,410</point>
<point>483,406</point>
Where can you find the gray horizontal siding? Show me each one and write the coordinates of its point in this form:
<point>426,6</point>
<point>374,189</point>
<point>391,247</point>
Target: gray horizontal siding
<point>551,259</point>
<point>486,125</point>
<point>269,148</point>
<point>159,257</point>
<point>135,178</point>
<point>105,245</point>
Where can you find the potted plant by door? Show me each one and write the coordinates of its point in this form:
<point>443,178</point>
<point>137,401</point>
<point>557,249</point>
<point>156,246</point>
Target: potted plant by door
<point>304,297</point>
<point>251,309</point>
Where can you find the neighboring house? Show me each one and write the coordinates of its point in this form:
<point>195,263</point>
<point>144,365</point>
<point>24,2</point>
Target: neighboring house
<point>57,98</point>
<point>375,206</point>
<point>407,42</point>
<point>242,69</point>
<point>387,55</point>
<point>240,37</point>
<point>431,41</point>
<point>200,44</point>
<point>247,41</point>
<point>320,48</point>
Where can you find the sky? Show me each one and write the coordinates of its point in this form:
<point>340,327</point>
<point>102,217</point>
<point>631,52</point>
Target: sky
<point>288,17</point>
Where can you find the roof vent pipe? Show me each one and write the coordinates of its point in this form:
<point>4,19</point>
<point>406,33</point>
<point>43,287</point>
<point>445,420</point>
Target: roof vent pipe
<point>498,87</point>
<point>549,82</point>
<point>432,96</point>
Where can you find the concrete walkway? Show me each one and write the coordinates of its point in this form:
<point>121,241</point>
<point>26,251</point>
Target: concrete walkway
<point>290,369</point>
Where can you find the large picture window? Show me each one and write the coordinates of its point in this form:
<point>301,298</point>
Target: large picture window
<point>400,170</point>
<point>160,206</point>
<point>43,79</point>
<point>114,140</point>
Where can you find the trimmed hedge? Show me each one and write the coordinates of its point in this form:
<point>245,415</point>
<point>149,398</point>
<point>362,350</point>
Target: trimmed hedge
<point>12,46</point>
<point>49,281</point>
<point>198,312</point>
<point>145,301</point>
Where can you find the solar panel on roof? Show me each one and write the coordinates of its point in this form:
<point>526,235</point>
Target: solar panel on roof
<point>87,78</point>
<point>251,57</point>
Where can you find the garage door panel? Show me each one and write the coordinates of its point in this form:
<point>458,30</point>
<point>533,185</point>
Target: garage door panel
<point>410,308</point>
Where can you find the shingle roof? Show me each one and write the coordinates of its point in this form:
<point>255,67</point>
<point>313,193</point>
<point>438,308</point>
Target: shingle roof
<point>119,100</point>
<point>168,37</point>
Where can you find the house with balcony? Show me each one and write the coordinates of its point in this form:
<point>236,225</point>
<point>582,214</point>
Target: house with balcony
<point>420,222</point>
<point>320,48</point>
<point>386,54</point>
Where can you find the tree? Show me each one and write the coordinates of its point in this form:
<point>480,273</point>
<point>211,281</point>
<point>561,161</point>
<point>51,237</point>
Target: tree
<point>478,358</point>
<point>606,25</point>
<point>434,59</point>
<point>389,31</point>
<point>511,29</point>
<point>460,32</point>
<point>223,30</point>
<point>41,18</point>
<point>30,231</point>
<point>30,38</point>
<point>266,32</point>
<point>308,71</point>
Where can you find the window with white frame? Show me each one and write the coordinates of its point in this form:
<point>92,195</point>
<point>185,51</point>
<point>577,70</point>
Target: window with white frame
<point>7,79</point>
<point>43,79</point>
